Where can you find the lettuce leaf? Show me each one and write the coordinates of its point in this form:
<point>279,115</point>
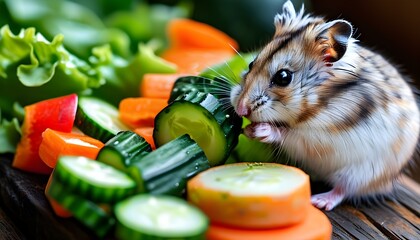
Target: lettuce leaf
<point>9,135</point>
<point>33,69</point>
<point>82,27</point>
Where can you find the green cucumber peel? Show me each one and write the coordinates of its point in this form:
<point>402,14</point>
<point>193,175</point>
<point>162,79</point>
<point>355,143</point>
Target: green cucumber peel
<point>159,217</point>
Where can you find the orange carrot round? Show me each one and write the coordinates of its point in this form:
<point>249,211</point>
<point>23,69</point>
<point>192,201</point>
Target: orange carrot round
<point>315,226</point>
<point>141,111</point>
<point>252,195</point>
<point>187,33</point>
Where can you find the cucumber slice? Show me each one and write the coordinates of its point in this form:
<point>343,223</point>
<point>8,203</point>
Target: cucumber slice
<point>98,119</point>
<point>201,115</point>
<point>93,180</point>
<point>217,86</point>
<point>254,179</point>
<point>167,169</point>
<point>85,211</point>
<point>159,217</point>
<point>124,149</point>
<point>187,84</point>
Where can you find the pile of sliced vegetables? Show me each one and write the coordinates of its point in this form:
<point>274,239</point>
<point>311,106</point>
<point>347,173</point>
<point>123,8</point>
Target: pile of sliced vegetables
<point>154,166</point>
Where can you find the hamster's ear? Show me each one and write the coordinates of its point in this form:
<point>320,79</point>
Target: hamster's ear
<point>287,15</point>
<point>334,37</point>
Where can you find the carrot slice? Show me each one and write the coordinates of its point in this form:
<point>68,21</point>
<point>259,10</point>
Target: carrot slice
<point>141,111</point>
<point>158,85</point>
<point>193,61</point>
<point>315,226</point>
<point>56,143</point>
<point>187,33</point>
<point>55,113</point>
<point>252,195</point>
<point>147,134</point>
<point>57,208</point>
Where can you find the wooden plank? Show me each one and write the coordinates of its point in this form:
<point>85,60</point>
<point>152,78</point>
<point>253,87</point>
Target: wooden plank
<point>8,231</point>
<point>22,197</point>
<point>405,213</point>
<point>408,183</point>
<point>352,222</point>
<point>390,222</point>
<point>339,234</point>
<point>408,198</point>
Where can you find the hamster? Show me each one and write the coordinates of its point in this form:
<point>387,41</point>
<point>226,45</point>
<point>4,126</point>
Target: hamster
<point>339,109</point>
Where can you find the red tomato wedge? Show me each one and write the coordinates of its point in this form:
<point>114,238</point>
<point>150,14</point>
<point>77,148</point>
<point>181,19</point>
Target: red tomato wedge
<point>56,113</point>
<point>252,195</point>
<point>315,226</point>
<point>56,143</point>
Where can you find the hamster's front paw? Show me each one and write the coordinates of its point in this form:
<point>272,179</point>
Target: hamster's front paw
<point>328,200</point>
<point>264,132</point>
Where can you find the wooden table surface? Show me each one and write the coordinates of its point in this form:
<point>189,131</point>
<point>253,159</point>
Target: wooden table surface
<point>25,213</point>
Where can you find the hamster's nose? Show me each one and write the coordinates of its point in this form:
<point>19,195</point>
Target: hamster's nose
<point>243,110</point>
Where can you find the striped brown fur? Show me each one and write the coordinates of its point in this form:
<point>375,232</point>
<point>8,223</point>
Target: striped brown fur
<point>340,109</point>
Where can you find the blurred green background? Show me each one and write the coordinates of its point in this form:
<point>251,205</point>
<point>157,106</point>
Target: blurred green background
<point>388,26</point>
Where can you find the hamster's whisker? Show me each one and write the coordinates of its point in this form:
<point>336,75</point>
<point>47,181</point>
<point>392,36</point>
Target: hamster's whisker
<point>227,76</point>
<point>234,49</point>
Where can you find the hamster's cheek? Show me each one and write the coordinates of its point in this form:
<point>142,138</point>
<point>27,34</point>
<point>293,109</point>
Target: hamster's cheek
<point>234,94</point>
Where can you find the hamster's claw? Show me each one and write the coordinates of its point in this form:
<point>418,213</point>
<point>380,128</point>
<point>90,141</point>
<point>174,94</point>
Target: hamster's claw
<point>328,200</point>
<point>264,132</point>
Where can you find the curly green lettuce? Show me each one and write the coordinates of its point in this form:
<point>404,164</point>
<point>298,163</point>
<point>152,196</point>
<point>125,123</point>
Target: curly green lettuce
<point>9,135</point>
<point>83,28</point>
<point>33,69</point>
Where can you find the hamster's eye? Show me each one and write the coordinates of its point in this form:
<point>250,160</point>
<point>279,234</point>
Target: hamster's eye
<point>282,78</point>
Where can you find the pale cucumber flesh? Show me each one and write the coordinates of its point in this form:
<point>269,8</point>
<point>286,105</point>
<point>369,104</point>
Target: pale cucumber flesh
<point>253,179</point>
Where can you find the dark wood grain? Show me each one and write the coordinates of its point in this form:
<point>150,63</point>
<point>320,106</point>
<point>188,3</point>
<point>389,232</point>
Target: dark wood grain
<point>351,221</point>
<point>407,198</point>
<point>8,231</point>
<point>22,198</point>
<point>396,217</point>
<point>390,222</point>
